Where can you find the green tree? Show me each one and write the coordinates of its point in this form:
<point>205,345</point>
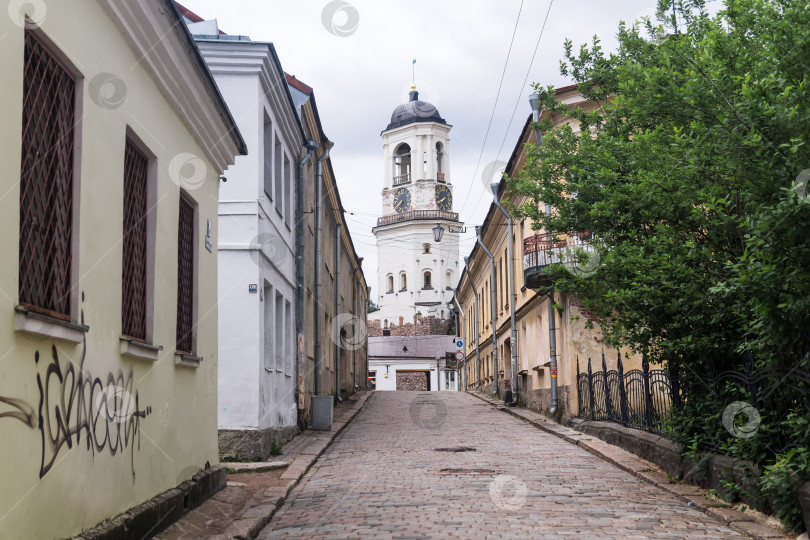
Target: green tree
<point>688,175</point>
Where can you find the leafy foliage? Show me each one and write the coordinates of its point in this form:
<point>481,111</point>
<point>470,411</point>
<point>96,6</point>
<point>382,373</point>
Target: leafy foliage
<point>683,164</point>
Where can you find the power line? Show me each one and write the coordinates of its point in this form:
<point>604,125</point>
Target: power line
<point>494,105</point>
<point>514,110</point>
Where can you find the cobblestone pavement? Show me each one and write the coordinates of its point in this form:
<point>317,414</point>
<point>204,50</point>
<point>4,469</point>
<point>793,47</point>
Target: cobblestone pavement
<point>384,478</point>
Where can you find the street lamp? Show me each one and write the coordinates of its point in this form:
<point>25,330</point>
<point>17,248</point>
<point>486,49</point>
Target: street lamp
<point>534,101</point>
<point>438,231</point>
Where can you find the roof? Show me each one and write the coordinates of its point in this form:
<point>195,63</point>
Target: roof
<point>418,346</point>
<point>415,110</point>
<point>190,15</point>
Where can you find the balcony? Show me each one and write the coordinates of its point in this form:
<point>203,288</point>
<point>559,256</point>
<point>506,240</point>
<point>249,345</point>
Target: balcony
<point>417,214</point>
<point>542,251</point>
<point>402,179</point>
<point>440,177</point>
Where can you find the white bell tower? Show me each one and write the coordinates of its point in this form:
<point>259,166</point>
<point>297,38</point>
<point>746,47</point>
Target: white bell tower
<point>415,273</point>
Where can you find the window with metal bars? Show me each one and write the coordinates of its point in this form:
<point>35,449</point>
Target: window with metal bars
<point>185,277</point>
<point>133,305</point>
<point>46,182</point>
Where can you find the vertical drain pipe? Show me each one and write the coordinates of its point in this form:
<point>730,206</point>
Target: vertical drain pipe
<point>327,146</point>
<point>337,311</point>
<point>463,337</point>
<point>354,335</point>
<point>491,309</point>
<point>512,295</point>
<point>552,346</point>
<point>477,351</point>
<point>310,147</point>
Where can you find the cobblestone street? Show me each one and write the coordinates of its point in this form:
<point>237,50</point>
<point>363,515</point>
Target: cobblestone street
<point>385,477</point>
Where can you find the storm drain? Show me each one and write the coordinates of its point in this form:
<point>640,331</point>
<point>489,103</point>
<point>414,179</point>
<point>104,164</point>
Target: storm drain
<point>456,449</point>
<point>466,471</point>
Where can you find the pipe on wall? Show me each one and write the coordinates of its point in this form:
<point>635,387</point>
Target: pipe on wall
<point>327,146</point>
<point>512,294</point>
<point>477,350</point>
<point>310,147</point>
<point>337,313</point>
<point>491,309</point>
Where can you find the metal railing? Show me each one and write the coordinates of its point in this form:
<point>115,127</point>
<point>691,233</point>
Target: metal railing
<point>640,399</point>
<point>544,249</point>
<point>417,214</point>
<point>402,179</point>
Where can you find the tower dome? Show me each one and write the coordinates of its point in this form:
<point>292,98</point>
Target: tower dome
<point>415,110</point>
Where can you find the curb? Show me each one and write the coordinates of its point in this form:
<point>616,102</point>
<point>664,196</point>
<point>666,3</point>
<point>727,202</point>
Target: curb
<point>644,471</point>
<point>248,528</point>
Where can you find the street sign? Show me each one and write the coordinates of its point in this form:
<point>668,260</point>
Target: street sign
<point>459,343</point>
<point>459,356</point>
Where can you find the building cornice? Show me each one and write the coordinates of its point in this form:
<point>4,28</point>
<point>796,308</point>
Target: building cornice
<point>158,35</point>
<point>259,59</point>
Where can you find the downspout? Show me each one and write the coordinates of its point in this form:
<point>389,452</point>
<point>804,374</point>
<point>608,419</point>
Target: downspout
<point>354,345</point>
<point>552,344</point>
<point>337,310</point>
<point>455,321</point>
<point>512,294</point>
<point>552,341</point>
<point>461,333</point>
<point>477,351</point>
<point>299,270</point>
<point>491,309</point>
<point>327,146</point>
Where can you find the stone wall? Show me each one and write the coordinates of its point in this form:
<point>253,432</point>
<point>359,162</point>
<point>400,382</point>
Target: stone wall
<point>413,380</point>
<point>429,326</point>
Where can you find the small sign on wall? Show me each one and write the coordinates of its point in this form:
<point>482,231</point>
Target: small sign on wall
<point>253,288</point>
<point>209,245</point>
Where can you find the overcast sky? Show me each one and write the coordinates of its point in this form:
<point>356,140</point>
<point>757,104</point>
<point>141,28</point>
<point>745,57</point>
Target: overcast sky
<point>359,63</point>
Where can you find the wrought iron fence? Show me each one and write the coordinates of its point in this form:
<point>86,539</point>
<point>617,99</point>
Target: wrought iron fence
<point>645,398</point>
<point>640,398</point>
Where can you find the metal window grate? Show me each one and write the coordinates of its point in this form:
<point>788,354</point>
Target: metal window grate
<point>46,182</point>
<point>133,306</point>
<point>185,276</point>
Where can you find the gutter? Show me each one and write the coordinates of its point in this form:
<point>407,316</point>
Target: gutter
<point>327,146</point>
<point>491,309</point>
<point>512,295</point>
<point>337,312</point>
<point>310,147</point>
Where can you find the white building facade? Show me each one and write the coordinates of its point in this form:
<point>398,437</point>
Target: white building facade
<point>415,273</point>
<point>413,363</point>
<point>257,393</point>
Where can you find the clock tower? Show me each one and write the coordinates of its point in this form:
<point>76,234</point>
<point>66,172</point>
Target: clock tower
<point>416,274</point>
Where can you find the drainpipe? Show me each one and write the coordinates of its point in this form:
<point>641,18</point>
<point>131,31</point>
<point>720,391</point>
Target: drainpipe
<point>327,146</point>
<point>337,310</point>
<point>491,309</point>
<point>299,254</point>
<point>354,345</point>
<point>477,351</point>
<point>512,295</point>
<point>552,344</point>
<point>461,333</point>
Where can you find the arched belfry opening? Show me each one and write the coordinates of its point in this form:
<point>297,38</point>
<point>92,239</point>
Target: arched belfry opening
<point>402,164</point>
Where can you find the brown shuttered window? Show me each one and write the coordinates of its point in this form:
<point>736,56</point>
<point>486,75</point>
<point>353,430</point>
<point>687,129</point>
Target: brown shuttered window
<point>133,306</point>
<point>46,182</point>
<point>185,276</point>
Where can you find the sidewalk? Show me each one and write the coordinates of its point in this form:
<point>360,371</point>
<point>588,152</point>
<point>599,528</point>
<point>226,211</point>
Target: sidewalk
<point>745,523</point>
<point>255,490</point>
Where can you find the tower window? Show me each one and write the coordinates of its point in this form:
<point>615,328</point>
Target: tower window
<point>426,248</point>
<point>390,284</point>
<point>403,282</point>
<point>402,165</point>
<point>427,283</point>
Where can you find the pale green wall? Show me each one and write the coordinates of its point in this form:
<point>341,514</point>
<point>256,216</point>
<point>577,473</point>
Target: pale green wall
<point>179,435</point>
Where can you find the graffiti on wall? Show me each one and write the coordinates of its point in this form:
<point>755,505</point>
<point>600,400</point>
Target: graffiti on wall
<point>77,409</point>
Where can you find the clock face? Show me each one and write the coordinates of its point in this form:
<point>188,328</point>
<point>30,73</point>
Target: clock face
<point>444,198</point>
<point>402,200</point>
